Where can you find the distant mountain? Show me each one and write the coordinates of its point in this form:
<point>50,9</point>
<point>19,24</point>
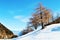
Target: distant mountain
<point>5,33</point>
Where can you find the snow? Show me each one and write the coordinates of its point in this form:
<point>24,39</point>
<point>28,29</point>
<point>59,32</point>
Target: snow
<point>45,34</point>
<point>50,27</point>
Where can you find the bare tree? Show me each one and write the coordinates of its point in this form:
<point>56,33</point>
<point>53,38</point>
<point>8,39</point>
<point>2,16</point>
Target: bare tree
<point>41,17</point>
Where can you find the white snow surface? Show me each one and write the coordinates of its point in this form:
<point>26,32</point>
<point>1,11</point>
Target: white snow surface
<point>45,34</point>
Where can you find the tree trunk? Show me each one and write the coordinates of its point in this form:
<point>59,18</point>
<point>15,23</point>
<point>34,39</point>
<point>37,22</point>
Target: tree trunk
<point>42,25</point>
<point>35,27</point>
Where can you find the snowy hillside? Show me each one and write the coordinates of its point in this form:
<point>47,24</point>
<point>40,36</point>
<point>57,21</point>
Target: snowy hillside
<point>51,32</point>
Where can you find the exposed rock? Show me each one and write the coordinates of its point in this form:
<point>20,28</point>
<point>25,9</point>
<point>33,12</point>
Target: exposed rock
<point>5,33</point>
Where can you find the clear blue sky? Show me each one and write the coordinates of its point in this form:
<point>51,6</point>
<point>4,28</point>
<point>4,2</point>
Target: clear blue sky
<point>14,14</point>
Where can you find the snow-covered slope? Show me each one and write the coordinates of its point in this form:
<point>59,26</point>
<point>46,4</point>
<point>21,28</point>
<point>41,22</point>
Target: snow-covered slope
<point>45,34</point>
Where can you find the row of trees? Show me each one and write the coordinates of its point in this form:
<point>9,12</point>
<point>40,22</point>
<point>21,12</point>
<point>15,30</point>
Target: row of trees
<point>41,17</point>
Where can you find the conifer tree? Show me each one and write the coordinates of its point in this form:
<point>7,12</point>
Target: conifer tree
<point>41,17</point>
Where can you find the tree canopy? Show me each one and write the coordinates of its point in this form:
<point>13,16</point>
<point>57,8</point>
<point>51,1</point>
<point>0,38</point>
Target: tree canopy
<point>41,17</point>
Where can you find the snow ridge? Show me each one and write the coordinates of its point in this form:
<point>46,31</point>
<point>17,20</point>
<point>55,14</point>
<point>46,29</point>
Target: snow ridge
<point>45,34</point>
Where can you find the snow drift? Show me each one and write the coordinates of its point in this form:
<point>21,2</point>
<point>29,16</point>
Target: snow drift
<point>49,33</point>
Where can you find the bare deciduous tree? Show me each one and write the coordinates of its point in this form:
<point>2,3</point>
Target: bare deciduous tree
<point>41,17</point>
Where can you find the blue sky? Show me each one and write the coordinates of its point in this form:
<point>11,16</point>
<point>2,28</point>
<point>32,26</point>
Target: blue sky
<point>15,14</point>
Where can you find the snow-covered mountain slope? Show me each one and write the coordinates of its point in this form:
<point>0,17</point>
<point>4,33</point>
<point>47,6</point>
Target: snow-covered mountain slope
<point>51,32</point>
